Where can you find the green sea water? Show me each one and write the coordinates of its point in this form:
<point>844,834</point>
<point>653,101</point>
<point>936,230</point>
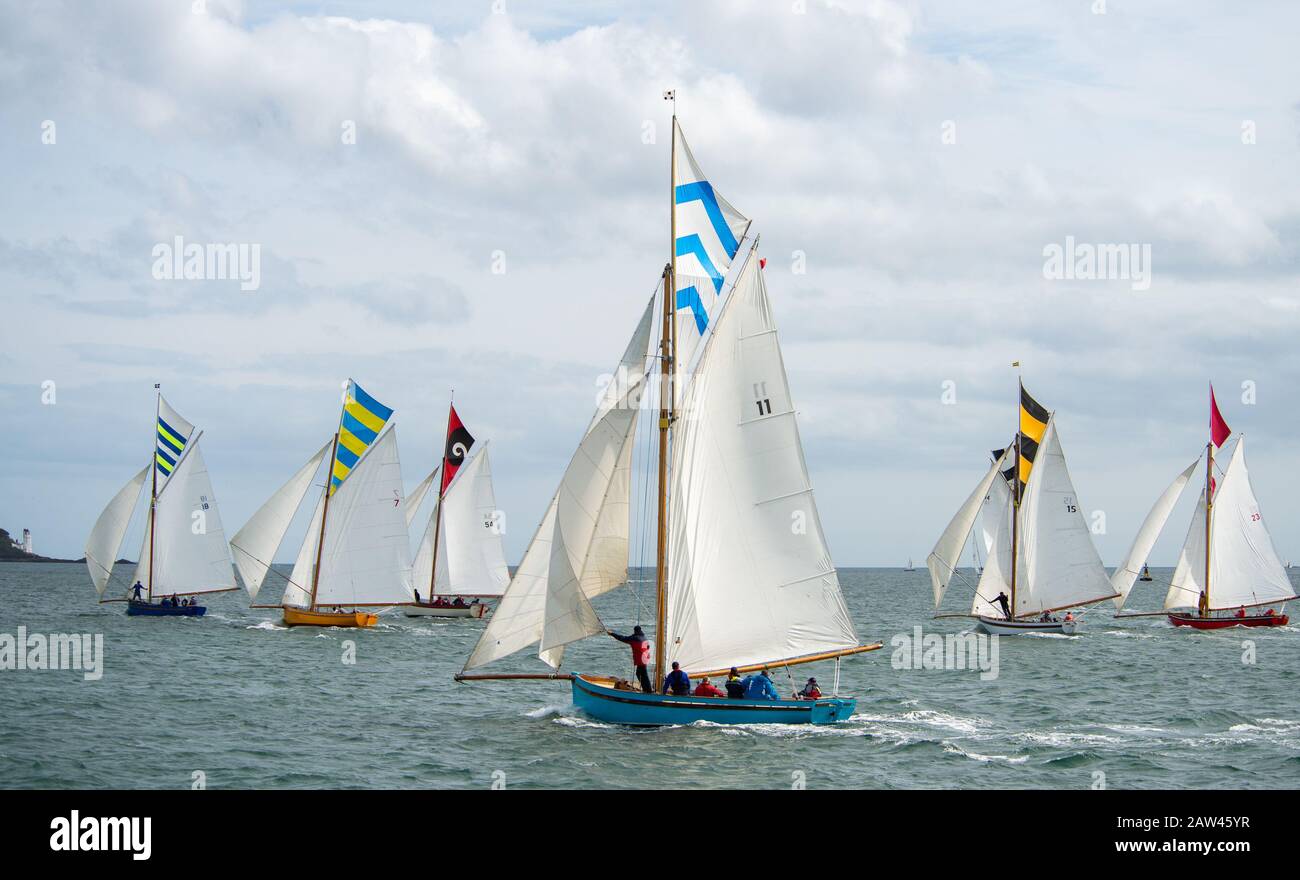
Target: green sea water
<point>236,700</point>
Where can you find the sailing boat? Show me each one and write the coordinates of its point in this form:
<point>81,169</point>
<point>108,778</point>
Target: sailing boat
<point>1228,563</point>
<point>1042,559</point>
<point>184,548</point>
<point>909,565</point>
<point>356,554</point>
<point>743,576</point>
<point>460,555</point>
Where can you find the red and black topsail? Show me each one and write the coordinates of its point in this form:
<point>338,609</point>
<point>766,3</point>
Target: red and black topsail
<point>459,441</point>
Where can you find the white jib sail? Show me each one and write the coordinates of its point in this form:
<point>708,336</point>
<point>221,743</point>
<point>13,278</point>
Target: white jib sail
<point>1058,565</point>
<point>471,561</point>
<point>1185,587</point>
<point>254,545</point>
<point>365,557</point>
<point>1123,578</point>
<point>943,559</point>
<point>750,578</point>
<point>547,599</point>
<point>106,537</point>
<point>297,591</point>
<point>189,545</point>
<point>996,577</point>
<point>1244,567</point>
<point>411,505</point>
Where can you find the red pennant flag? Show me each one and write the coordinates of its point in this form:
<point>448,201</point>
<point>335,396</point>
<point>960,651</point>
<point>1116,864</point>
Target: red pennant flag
<point>1219,430</point>
<point>459,441</point>
<point>762,262</point>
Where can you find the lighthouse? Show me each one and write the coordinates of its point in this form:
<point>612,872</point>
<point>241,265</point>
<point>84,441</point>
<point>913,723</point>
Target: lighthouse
<point>27,541</point>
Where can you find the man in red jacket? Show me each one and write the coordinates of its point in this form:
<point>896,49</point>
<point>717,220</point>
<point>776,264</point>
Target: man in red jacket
<point>704,689</point>
<point>640,646</point>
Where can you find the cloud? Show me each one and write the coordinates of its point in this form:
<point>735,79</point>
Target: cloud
<point>537,141</point>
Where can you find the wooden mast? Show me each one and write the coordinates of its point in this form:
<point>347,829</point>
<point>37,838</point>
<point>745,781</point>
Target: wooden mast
<point>1015,508</point>
<point>1204,603</point>
<point>153,488</point>
<point>667,392</point>
<point>437,521</point>
<point>325,509</point>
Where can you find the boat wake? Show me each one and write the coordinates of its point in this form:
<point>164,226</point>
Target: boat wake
<point>954,749</point>
<point>267,625</point>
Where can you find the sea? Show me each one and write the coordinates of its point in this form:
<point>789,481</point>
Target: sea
<point>236,700</point>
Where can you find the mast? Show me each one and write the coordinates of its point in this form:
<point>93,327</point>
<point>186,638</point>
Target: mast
<point>1209,506</point>
<point>667,393</point>
<point>153,488</point>
<point>1015,499</point>
<point>437,520</point>
<point>325,509</point>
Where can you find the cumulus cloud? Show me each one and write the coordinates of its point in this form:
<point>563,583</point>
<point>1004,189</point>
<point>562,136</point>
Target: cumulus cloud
<point>391,158</point>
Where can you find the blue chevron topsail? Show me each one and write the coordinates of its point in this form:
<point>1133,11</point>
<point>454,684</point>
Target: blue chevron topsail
<point>709,231</point>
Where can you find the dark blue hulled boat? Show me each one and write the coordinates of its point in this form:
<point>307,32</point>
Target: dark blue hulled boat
<point>742,573</point>
<point>605,703</point>
<point>184,550</point>
<point>149,609</point>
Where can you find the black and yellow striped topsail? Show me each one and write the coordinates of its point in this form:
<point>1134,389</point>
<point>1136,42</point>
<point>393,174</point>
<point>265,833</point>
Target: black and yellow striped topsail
<point>1033,425</point>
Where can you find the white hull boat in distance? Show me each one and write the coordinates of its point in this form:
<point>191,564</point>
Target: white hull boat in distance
<point>1000,626</point>
<point>477,610</point>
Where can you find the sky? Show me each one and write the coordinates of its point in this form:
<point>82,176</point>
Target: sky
<point>499,217</point>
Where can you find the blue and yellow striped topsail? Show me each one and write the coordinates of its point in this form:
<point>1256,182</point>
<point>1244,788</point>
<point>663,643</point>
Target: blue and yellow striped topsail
<point>363,418</point>
<point>173,433</point>
<point>709,231</point>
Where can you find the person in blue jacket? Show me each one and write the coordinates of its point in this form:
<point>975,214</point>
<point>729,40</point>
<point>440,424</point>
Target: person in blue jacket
<point>759,687</point>
<point>677,682</point>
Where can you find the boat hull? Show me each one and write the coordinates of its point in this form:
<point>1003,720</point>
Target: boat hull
<point>421,610</point>
<point>1000,627</point>
<point>638,709</point>
<point>146,609</point>
<point>308,617</point>
<point>1196,622</point>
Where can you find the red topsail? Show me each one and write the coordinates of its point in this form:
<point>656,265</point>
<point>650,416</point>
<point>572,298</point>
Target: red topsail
<point>459,441</point>
<point>1219,430</point>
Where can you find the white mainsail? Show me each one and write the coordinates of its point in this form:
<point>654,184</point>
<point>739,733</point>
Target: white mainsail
<point>189,553</point>
<point>106,537</point>
<point>471,561</point>
<point>1123,577</point>
<point>1058,565</point>
<point>365,556</point>
<point>1244,566</point>
<point>750,578</point>
<point>547,599</point>
<point>944,558</point>
<point>255,544</point>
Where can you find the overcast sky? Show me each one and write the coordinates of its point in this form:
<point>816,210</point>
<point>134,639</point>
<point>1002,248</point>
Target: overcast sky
<point>1169,124</point>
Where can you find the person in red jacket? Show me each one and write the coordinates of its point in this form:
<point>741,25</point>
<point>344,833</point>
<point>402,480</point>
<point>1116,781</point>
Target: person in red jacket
<point>810,691</point>
<point>705,689</point>
<point>640,646</point>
